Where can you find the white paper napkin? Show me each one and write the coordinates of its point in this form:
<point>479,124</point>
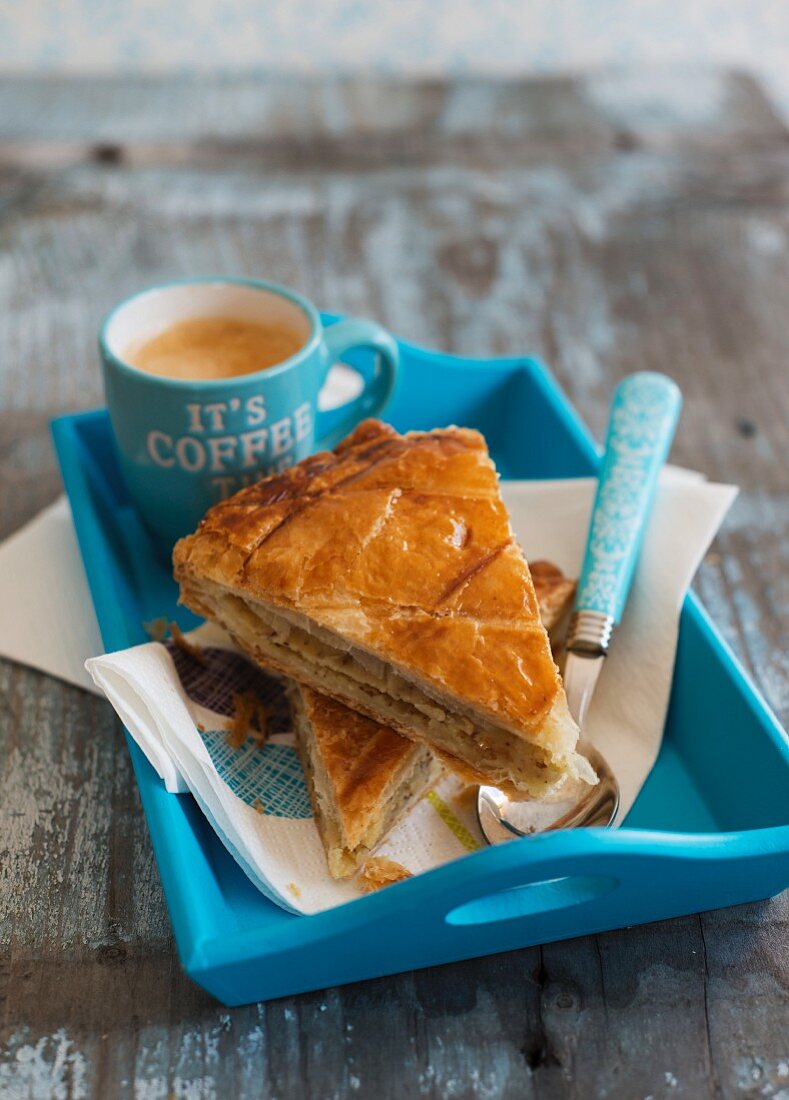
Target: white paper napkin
<point>48,621</point>
<point>255,798</point>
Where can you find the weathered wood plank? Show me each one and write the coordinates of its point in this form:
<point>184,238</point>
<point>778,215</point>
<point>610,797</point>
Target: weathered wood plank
<point>362,123</point>
<point>608,225</point>
<point>701,104</point>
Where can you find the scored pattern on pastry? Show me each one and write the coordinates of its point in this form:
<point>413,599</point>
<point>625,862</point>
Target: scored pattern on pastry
<point>386,575</point>
<point>416,557</point>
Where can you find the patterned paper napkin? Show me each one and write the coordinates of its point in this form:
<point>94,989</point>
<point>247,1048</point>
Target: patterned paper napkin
<point>179,700</point>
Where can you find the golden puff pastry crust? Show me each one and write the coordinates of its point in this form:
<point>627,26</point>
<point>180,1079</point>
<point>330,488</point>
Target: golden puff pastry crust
<point>385,574</point>
<point>362,777</point>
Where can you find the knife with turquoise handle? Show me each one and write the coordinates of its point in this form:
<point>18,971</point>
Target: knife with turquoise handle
<point>644,413</point>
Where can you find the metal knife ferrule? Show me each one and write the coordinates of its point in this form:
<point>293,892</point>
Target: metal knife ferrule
<point>590,633</point>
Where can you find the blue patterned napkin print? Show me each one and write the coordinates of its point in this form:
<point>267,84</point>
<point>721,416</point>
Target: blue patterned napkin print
<point>268,777</point>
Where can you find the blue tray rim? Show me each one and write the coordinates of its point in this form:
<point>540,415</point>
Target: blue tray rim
<point>201,949</point>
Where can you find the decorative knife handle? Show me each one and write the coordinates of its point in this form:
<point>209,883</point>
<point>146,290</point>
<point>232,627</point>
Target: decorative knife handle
<point>644,413</point>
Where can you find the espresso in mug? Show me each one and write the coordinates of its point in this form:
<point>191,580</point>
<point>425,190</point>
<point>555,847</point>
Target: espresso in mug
<point>213,383</point>
<point>203,348</point>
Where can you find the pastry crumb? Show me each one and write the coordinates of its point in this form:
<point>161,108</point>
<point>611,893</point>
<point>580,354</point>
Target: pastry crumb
<point>294,889</point>
<point>191,650</point>
<point>243,709</point>
<point>466,798</point>
<point>258,806</point>
<point>261,717</point>
<point>156,629</point>
<point>250,717</point>
<point>378,872</point>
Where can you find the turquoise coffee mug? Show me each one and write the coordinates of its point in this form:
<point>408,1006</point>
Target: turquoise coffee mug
<point>185,445</point>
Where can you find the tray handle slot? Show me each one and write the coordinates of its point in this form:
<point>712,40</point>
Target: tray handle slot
<point>537,881</point>
<point>532,898</point>
<point>545,882</point>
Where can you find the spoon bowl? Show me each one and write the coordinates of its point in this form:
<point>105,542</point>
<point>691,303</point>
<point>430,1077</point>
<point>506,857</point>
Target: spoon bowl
<point>501,819</point>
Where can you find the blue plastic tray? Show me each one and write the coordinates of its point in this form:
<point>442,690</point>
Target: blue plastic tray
<point>710,828</point>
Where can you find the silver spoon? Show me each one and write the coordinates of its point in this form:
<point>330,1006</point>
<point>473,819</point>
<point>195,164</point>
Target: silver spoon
<point>644,411</point>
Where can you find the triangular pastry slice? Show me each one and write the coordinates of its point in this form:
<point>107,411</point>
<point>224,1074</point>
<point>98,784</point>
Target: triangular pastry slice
<point>363,777</point>
<point>385,575</point>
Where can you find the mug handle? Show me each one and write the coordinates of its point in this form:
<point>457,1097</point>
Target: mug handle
<point>339,338</point>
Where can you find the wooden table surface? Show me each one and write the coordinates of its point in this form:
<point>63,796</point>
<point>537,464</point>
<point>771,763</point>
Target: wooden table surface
<point>609,224</point>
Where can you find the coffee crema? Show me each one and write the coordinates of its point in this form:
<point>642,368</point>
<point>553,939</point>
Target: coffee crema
<point>203,348</point>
